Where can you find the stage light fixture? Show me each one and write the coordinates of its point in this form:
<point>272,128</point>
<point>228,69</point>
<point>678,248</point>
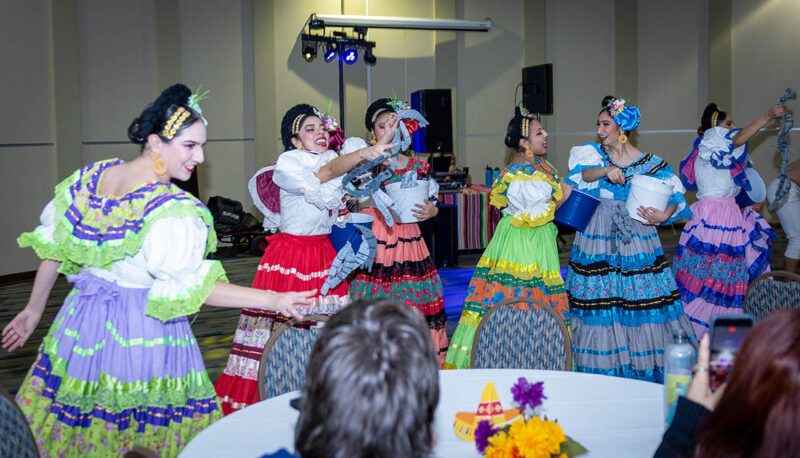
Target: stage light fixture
<point>350,56</point>
<point>330,52</point>
<point>309,51</point>
<point>369,58</point>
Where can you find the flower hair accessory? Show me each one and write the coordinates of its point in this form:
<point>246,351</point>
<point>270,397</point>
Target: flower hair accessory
<point>532,436</point>
<point>329,123</point>
<point>398,104</point>
<point>627,117</point>
<point>194,103</point>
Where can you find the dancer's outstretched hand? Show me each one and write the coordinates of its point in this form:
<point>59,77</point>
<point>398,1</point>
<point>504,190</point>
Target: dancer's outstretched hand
<point>17,332</point>
<point>290,304</point>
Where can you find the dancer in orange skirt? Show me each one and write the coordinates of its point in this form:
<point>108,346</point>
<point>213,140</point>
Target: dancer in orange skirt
<point>300,256</point>
<point>403,268</point>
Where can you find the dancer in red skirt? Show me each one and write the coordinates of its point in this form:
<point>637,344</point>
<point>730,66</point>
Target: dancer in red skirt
<point>403,268</point>
<point>298,258</point>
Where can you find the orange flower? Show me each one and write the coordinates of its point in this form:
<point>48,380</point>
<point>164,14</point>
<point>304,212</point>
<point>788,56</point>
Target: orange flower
<point>537,438</point>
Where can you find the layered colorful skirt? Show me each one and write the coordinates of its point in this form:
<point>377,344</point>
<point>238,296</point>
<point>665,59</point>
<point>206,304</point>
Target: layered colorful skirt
<point>721,250</point>
<point>290,263</point>
<point>518,262</point>
<point>108,377</point>
<point>403,270</point>
<point>624,303</point>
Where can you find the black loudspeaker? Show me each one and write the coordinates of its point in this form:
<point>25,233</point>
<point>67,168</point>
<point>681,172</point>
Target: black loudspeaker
<point>435,105</point>
<point>537,88</point>
<point>441,236</point>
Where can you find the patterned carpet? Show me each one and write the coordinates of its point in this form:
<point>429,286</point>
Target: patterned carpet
<point>214,326</point>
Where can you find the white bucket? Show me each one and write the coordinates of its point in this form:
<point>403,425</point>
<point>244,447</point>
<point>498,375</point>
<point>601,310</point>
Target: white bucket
<point>407,199</point>
<point>647,191</point>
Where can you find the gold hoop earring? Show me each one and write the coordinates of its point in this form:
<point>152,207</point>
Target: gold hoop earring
<point>159,164</point>
<point>622,138</point>
<point>528,152</point>
<point>372,139</point>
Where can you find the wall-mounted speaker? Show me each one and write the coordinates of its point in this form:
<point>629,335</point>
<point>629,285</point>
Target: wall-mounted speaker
<point>537,88</point>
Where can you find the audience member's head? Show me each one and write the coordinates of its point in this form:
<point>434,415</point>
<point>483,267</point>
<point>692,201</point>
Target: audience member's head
<point>371,385</point>
<point>759,411</point>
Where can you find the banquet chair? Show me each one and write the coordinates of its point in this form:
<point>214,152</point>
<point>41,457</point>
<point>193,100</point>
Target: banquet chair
<point>522,333</point>
<point>285,356</point>
<point>16,438</point>
<point>768,293</point>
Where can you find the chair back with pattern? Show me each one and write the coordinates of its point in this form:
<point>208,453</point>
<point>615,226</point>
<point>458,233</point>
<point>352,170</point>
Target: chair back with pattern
<point>522,333</point>
<point>772,291</point>
<point>285,356</point>
<point>16,438</point>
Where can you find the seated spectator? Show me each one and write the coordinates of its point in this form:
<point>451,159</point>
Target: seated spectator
<point>371,385</point>
<point>756,413</point>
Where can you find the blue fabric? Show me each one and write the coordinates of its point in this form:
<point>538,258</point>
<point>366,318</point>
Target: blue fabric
<point>628,118</point>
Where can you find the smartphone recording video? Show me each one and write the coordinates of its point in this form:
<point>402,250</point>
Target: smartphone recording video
<point>727,336</point>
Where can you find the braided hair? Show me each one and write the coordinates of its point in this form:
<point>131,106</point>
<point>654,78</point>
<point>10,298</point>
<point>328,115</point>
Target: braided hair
<point>295,116</point>
<point>156,115</point>
<point>375,109</point>
<point>708,116</point>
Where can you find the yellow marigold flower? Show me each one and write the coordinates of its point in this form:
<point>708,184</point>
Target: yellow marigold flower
<point>537,438</point>
<point>501,446</point>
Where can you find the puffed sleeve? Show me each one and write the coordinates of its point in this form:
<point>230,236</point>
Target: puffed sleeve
<point>296,171</point>
<point>581,158</point>
<point>433,189</point>
<point>718,148</point>
<point>352,145</point>
<point>41,238</point>
<point>174,249</point>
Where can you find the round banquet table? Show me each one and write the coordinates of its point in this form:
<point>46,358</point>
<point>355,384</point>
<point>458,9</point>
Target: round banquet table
<point>610,416</point>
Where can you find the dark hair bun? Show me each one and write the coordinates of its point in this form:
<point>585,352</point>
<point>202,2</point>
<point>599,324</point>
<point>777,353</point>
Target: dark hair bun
<point>155,115</point>
<point>705,118</point>
<point>302,109</point>
<point>607,100</point>
<point>514,130</point>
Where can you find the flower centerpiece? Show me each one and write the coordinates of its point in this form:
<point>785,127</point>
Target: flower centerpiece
<point>532,436</point>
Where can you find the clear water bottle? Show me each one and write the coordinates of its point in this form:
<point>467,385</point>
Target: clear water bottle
<point>679,358</point>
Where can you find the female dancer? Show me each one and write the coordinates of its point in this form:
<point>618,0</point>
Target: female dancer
<point>789,216</point>
<point>522,257</point>
<point>403,269</point>
<point>299,257</point>
<point>722,248</point>
<point>120,366</point>
<point>624,303</point>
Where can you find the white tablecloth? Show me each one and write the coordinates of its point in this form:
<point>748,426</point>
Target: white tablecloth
<point>610,416</point>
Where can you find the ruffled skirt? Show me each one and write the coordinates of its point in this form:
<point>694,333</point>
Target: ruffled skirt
<point>109,377</point>
<point>518,262</point>
<point>624,304</point>
<point>403,270</point>
<point>290,263</point>
<point>721,250</point>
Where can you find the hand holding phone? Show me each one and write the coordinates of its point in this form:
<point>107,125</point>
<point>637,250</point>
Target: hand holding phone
<point>727,335</point>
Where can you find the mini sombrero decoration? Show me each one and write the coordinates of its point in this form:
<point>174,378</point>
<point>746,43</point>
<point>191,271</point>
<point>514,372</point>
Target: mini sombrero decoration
<point>489,409</point>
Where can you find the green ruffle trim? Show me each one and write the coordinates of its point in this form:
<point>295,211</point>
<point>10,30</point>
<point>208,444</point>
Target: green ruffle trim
<point>43,248</point>
<point>115,396</point>
<point>168,308</point>
<point>78,253</point>
<point>102,438</point>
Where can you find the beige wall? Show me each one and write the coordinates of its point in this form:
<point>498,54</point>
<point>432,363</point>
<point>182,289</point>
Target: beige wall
<point>89,66</point>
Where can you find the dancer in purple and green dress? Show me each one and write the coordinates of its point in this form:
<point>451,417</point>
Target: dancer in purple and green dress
<point>623,300</point>
<point>120,366</point>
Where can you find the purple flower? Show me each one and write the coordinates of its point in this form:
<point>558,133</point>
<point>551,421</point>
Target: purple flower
<point>527,394</point>
<point>482,434</point>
